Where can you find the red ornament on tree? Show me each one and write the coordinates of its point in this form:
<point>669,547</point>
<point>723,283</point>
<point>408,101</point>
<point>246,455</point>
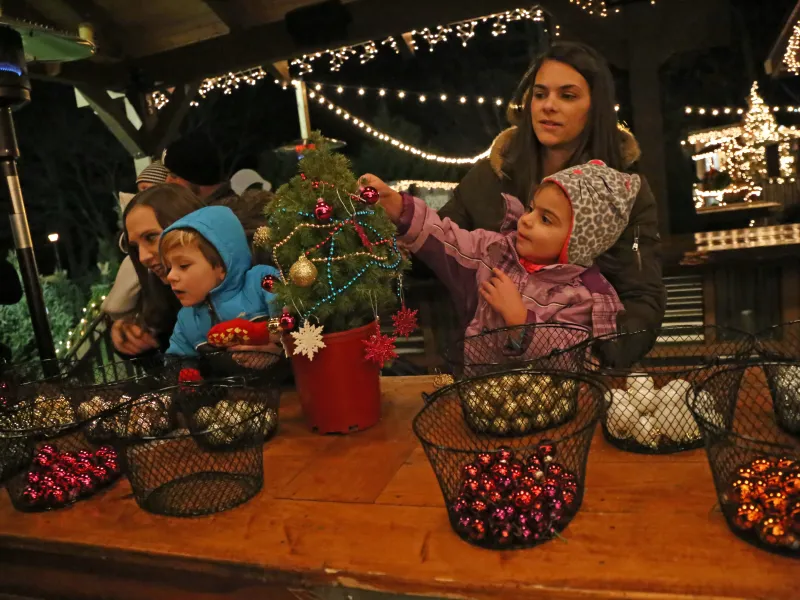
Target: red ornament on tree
<point>268,283</point>
<point>303,176</point>
<point>323,211</point>
<point>370,195</point>
<point>380,348</point>
<point>363,236</point>
<point>287,321</point>
<point>404,322</point>
<point>315,184</point>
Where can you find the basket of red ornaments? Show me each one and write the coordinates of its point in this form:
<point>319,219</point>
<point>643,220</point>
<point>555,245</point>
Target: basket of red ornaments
<point>754,461</point>
<point>646,409</point>
<point>509,492</point>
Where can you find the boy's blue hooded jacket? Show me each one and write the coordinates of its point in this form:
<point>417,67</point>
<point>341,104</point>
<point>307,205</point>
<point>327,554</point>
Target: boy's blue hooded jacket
<point>240,294</point>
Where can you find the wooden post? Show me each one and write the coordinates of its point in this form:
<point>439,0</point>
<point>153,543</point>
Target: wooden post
<point>301,96</point>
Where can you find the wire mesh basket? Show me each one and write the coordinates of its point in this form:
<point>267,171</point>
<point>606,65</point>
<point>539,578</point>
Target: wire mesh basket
<point>191,473</point>
<point>755,463</point>
<point>781,342</point>
<point>783,380</point>
<point>542,346</point>
<point>59,465</point>
<point>34,400</point>
<point>509,493</point>
<point>249,364</point>
<point>646,404</point>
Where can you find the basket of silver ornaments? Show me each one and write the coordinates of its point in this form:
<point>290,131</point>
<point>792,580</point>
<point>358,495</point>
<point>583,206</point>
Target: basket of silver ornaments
<point>214,465</point>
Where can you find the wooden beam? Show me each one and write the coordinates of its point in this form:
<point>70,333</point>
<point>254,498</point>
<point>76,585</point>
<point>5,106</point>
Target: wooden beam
<point>112,113</point>
<point>371,19</point>
<point>170,117</point>
<point>228,12</point>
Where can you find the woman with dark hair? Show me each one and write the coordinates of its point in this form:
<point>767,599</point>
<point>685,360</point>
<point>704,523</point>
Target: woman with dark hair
<point>144,218</point>
<point>564,114</point>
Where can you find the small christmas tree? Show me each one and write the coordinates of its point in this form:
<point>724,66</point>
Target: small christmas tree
<point>335,248</point>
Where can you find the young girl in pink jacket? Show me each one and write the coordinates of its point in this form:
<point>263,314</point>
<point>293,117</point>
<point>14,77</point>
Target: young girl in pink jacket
<point>539,272</point>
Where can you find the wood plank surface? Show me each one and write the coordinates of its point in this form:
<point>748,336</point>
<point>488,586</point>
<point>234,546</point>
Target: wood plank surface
<point>364,511</point>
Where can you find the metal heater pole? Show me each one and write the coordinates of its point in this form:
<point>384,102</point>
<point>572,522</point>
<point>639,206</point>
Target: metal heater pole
<point>9,152</point>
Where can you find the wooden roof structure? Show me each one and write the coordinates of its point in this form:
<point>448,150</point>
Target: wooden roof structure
<point>785,54</point>
<point>156,44</point>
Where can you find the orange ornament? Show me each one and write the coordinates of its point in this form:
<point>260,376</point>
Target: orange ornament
<point>748,516</point>
<point>745,473</point>
<point>774,479</point>
<point>774,503</point>
<point>762,465</point>
<point>772,531</point>
<point>791,484</point>
<point>793,514</point>
<point>785,462</point>
<point>743,490</point>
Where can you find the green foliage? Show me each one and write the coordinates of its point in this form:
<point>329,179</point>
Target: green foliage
<point>374,289</point>
<point>64,302</point>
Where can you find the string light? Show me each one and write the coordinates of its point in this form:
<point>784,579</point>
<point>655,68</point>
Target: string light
<point>407,184</point>
<point>400,145</point>
<point>423,97</point>
<point>729,110</point>
<point>790,57</point>
<point>433,36</point>
<point>225,83</point>
<point>89,313</point>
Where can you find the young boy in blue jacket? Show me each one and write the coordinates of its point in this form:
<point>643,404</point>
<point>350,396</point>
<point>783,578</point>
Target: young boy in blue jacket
<point>209,267</point>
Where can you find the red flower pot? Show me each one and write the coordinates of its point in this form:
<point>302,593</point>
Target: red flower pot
<point>339,391</point>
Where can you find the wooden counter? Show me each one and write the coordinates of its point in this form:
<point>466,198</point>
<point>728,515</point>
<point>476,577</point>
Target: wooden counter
<point>364,512</point>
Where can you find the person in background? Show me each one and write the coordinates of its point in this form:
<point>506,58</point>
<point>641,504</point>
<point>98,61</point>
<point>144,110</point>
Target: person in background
<point>194,163</point>
<point>246,180</point>
<point>151,175</point>
<point>123,297</point>
<point>564,115</point>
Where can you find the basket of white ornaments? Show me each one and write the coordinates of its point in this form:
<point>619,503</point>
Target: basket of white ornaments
<point>780,345</point>
<point>646,410</point>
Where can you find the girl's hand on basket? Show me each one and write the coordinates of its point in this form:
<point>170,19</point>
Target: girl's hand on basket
<point>390,200</point>
<point>129,338</point>
<point>502,295</point>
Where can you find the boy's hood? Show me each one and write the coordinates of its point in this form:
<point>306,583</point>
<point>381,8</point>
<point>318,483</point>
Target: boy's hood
<point>222,229</point>
<point>602,199</point>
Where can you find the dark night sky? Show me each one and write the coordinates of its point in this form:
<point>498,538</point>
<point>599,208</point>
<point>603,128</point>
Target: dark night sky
<point>262,118</point>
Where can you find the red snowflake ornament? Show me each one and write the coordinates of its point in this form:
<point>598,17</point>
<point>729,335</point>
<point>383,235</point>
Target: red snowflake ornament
<point>405,322</point>
<point>380,348</point>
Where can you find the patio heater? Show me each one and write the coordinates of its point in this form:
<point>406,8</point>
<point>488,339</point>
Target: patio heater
<point>40,44</point>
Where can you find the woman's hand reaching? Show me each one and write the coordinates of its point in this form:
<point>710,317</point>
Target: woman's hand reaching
<point>390,200</point>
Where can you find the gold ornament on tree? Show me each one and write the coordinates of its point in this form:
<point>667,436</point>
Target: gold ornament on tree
<point>303,272</point>
<point>261,237</point>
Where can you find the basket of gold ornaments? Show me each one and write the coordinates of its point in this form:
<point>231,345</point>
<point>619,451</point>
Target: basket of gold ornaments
<point>646,409</point>
<point>122,399</point>
<point>517,403</point>
<point>506,492</point>
<point>212,465</point>
<point>54,464</point>
<point>541,346</point>
<point>754,461</point>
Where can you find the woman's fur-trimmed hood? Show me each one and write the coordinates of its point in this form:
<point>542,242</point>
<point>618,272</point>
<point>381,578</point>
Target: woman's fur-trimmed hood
<point>629,148</point>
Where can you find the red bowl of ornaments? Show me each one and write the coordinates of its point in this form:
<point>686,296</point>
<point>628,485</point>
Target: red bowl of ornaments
<point>755,462</point>
<point>503,492</point>
<point>646,410</point>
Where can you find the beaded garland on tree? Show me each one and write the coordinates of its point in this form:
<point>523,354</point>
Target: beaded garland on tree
<point>334,248</point>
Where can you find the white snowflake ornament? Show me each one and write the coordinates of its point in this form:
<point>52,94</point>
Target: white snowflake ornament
<point>308,340</point>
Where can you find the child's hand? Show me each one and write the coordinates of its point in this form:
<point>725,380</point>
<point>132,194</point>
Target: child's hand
<point>390,200</point>
<point>503,296</point>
